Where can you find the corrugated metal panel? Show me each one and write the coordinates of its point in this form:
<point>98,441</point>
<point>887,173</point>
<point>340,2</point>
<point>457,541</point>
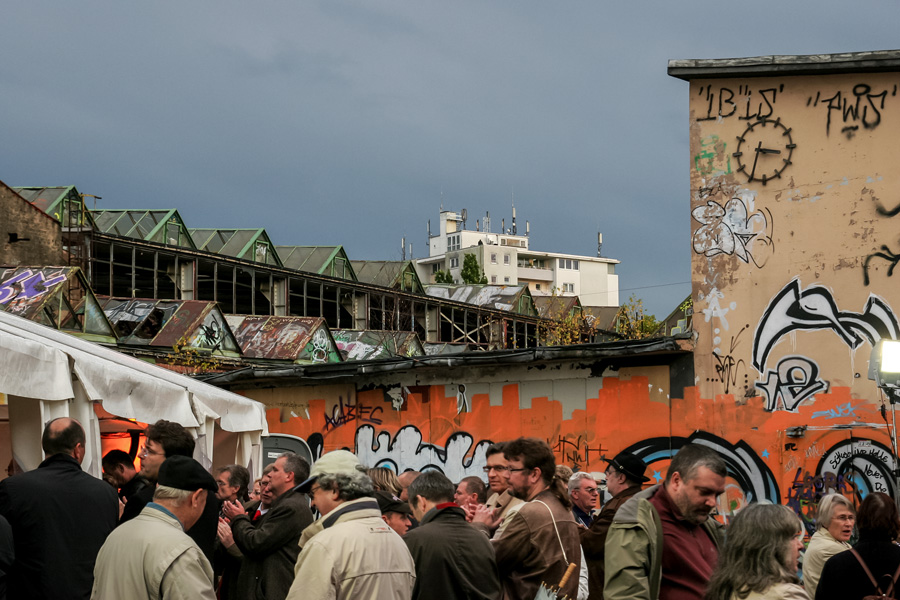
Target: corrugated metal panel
<point>372,345</point>
<point>283,338</point>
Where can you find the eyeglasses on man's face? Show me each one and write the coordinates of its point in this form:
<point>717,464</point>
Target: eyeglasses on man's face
<point>497,468</point>
<point>146,451</point>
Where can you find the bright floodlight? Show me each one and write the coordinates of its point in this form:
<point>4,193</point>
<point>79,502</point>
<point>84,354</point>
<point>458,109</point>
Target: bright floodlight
<point>884,363</point>
<point>890,356</point>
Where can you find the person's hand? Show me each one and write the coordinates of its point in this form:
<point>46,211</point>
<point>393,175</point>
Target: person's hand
<point>232,509</point>
<point>223,531</point>
<point>122,502</point>
<point>469,510</point>
<point>487,516</point>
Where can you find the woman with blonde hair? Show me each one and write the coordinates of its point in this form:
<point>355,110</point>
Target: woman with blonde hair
<point>834,526</point>
<point>759,561</point>
<point>385,480</point>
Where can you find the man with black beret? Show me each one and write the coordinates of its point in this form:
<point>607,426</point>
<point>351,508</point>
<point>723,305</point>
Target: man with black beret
<point>150,556</point>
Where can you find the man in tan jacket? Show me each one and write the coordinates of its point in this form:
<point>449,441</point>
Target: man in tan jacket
<point>350,552</point>
<point>150,556</point>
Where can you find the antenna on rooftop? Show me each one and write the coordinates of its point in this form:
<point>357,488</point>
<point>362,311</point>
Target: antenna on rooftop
<point>527,228</point>
<point>599,244</point>
<point>487,222</point>
<point>514,217</point>
<point>465,215</point>
<point>403,248</point>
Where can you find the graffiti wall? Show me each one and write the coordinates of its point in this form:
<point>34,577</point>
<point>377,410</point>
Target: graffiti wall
<point>794,196</point>
<point>449,423</point>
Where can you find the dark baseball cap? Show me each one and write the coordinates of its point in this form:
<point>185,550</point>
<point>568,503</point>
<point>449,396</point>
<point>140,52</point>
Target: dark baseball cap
<point>388,502</point>
<point>185,473</point>
<point>629,464</point>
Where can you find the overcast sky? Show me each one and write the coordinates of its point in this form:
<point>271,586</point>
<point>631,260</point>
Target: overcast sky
<point>349,123</point>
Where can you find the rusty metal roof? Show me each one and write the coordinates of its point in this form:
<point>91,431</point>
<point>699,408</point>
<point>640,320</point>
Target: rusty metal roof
<point>304,340</point>
<point>556,307</point>
<point>324,260</point>
<point>173,324</point>
<point>511,298</point>
<point>58,297</point>
<point>247,244</point>
<point>159,225</point>
<point>372,345</point>
<point>398,274</point>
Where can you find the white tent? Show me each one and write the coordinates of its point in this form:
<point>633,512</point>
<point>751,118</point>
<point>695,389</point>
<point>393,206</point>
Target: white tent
<point>46,374</point>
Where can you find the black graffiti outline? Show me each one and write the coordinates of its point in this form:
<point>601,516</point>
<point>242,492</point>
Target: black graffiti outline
<point>780,382</point>
<point>727,367</point>
<point>745,466</point>
<point>852,111</point>
<point>768,95</point>
<point>815,309</point>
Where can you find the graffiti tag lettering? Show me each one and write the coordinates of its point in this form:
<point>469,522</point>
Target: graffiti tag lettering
<point>794,379</point>
<point>28,285</point>
<point>343,413</point>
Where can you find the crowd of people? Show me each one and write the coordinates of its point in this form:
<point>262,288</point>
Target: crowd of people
<point>336,529</point>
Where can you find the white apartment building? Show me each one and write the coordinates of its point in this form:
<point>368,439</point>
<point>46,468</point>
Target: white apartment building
<point>507,260</point>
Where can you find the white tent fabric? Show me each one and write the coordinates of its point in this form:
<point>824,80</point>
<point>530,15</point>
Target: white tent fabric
<point>34,357</point>
<point>47,374</point>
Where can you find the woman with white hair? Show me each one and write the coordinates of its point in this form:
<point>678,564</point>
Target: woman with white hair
<point>834,526</point>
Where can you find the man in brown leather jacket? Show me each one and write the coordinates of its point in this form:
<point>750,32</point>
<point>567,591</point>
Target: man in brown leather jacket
<point>624,477</point>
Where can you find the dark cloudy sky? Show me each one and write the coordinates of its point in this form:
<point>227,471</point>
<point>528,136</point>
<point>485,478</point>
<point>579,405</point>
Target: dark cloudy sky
<point>346,123</point>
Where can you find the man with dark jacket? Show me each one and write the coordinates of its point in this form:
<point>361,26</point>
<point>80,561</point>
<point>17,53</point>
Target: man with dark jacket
<point>165,439</point>
<point>118,466</point>
<point>453,559</point>
<point>624,477</point>
<point>270,548</point>
<point>60,517</point>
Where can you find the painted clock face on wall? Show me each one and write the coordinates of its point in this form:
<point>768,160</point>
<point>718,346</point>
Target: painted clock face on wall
<point>764,150</point>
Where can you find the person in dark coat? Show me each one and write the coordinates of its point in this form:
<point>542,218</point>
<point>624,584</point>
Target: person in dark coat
<point>843,577</point>
<point>60,517</point>
<point>165,439</point>
<point>453,559</point>
<point>624,476</point>
<point>7,554</point>
<point>270,546</point>
<point>118,467</point>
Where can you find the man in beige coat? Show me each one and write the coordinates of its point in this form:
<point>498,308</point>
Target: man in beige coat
<point>350,552</point>
<point>150,556</point>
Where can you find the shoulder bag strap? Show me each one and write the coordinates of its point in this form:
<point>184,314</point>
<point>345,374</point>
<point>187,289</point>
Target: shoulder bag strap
<point>565,558</point>
<point>890,590</point>
<point>868,572</point>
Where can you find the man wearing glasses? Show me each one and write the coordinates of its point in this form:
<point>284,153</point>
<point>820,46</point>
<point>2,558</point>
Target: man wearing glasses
<point>584,495</point>
<point>490,518</point>
<point>165,439</point>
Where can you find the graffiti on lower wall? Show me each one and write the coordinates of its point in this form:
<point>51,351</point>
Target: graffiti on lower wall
<point>777,456</point>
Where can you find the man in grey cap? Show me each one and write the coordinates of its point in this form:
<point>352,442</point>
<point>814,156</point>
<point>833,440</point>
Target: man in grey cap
<point>150,556</point>
<point>350,552</point>
<point>624,476</point>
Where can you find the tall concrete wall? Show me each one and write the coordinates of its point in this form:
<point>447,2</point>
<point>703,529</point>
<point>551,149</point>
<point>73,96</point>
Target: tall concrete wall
<point>793,209</point>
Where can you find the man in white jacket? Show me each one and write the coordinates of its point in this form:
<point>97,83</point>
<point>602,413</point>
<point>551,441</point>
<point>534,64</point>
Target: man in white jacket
<point>350,552</point>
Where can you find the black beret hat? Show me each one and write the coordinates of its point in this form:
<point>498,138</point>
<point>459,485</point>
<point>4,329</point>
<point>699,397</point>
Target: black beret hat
<point>632,466</point>
<point>185,473</point>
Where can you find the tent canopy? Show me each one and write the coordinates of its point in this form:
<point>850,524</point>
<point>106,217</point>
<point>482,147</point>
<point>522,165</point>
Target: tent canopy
<point>46,365</point>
